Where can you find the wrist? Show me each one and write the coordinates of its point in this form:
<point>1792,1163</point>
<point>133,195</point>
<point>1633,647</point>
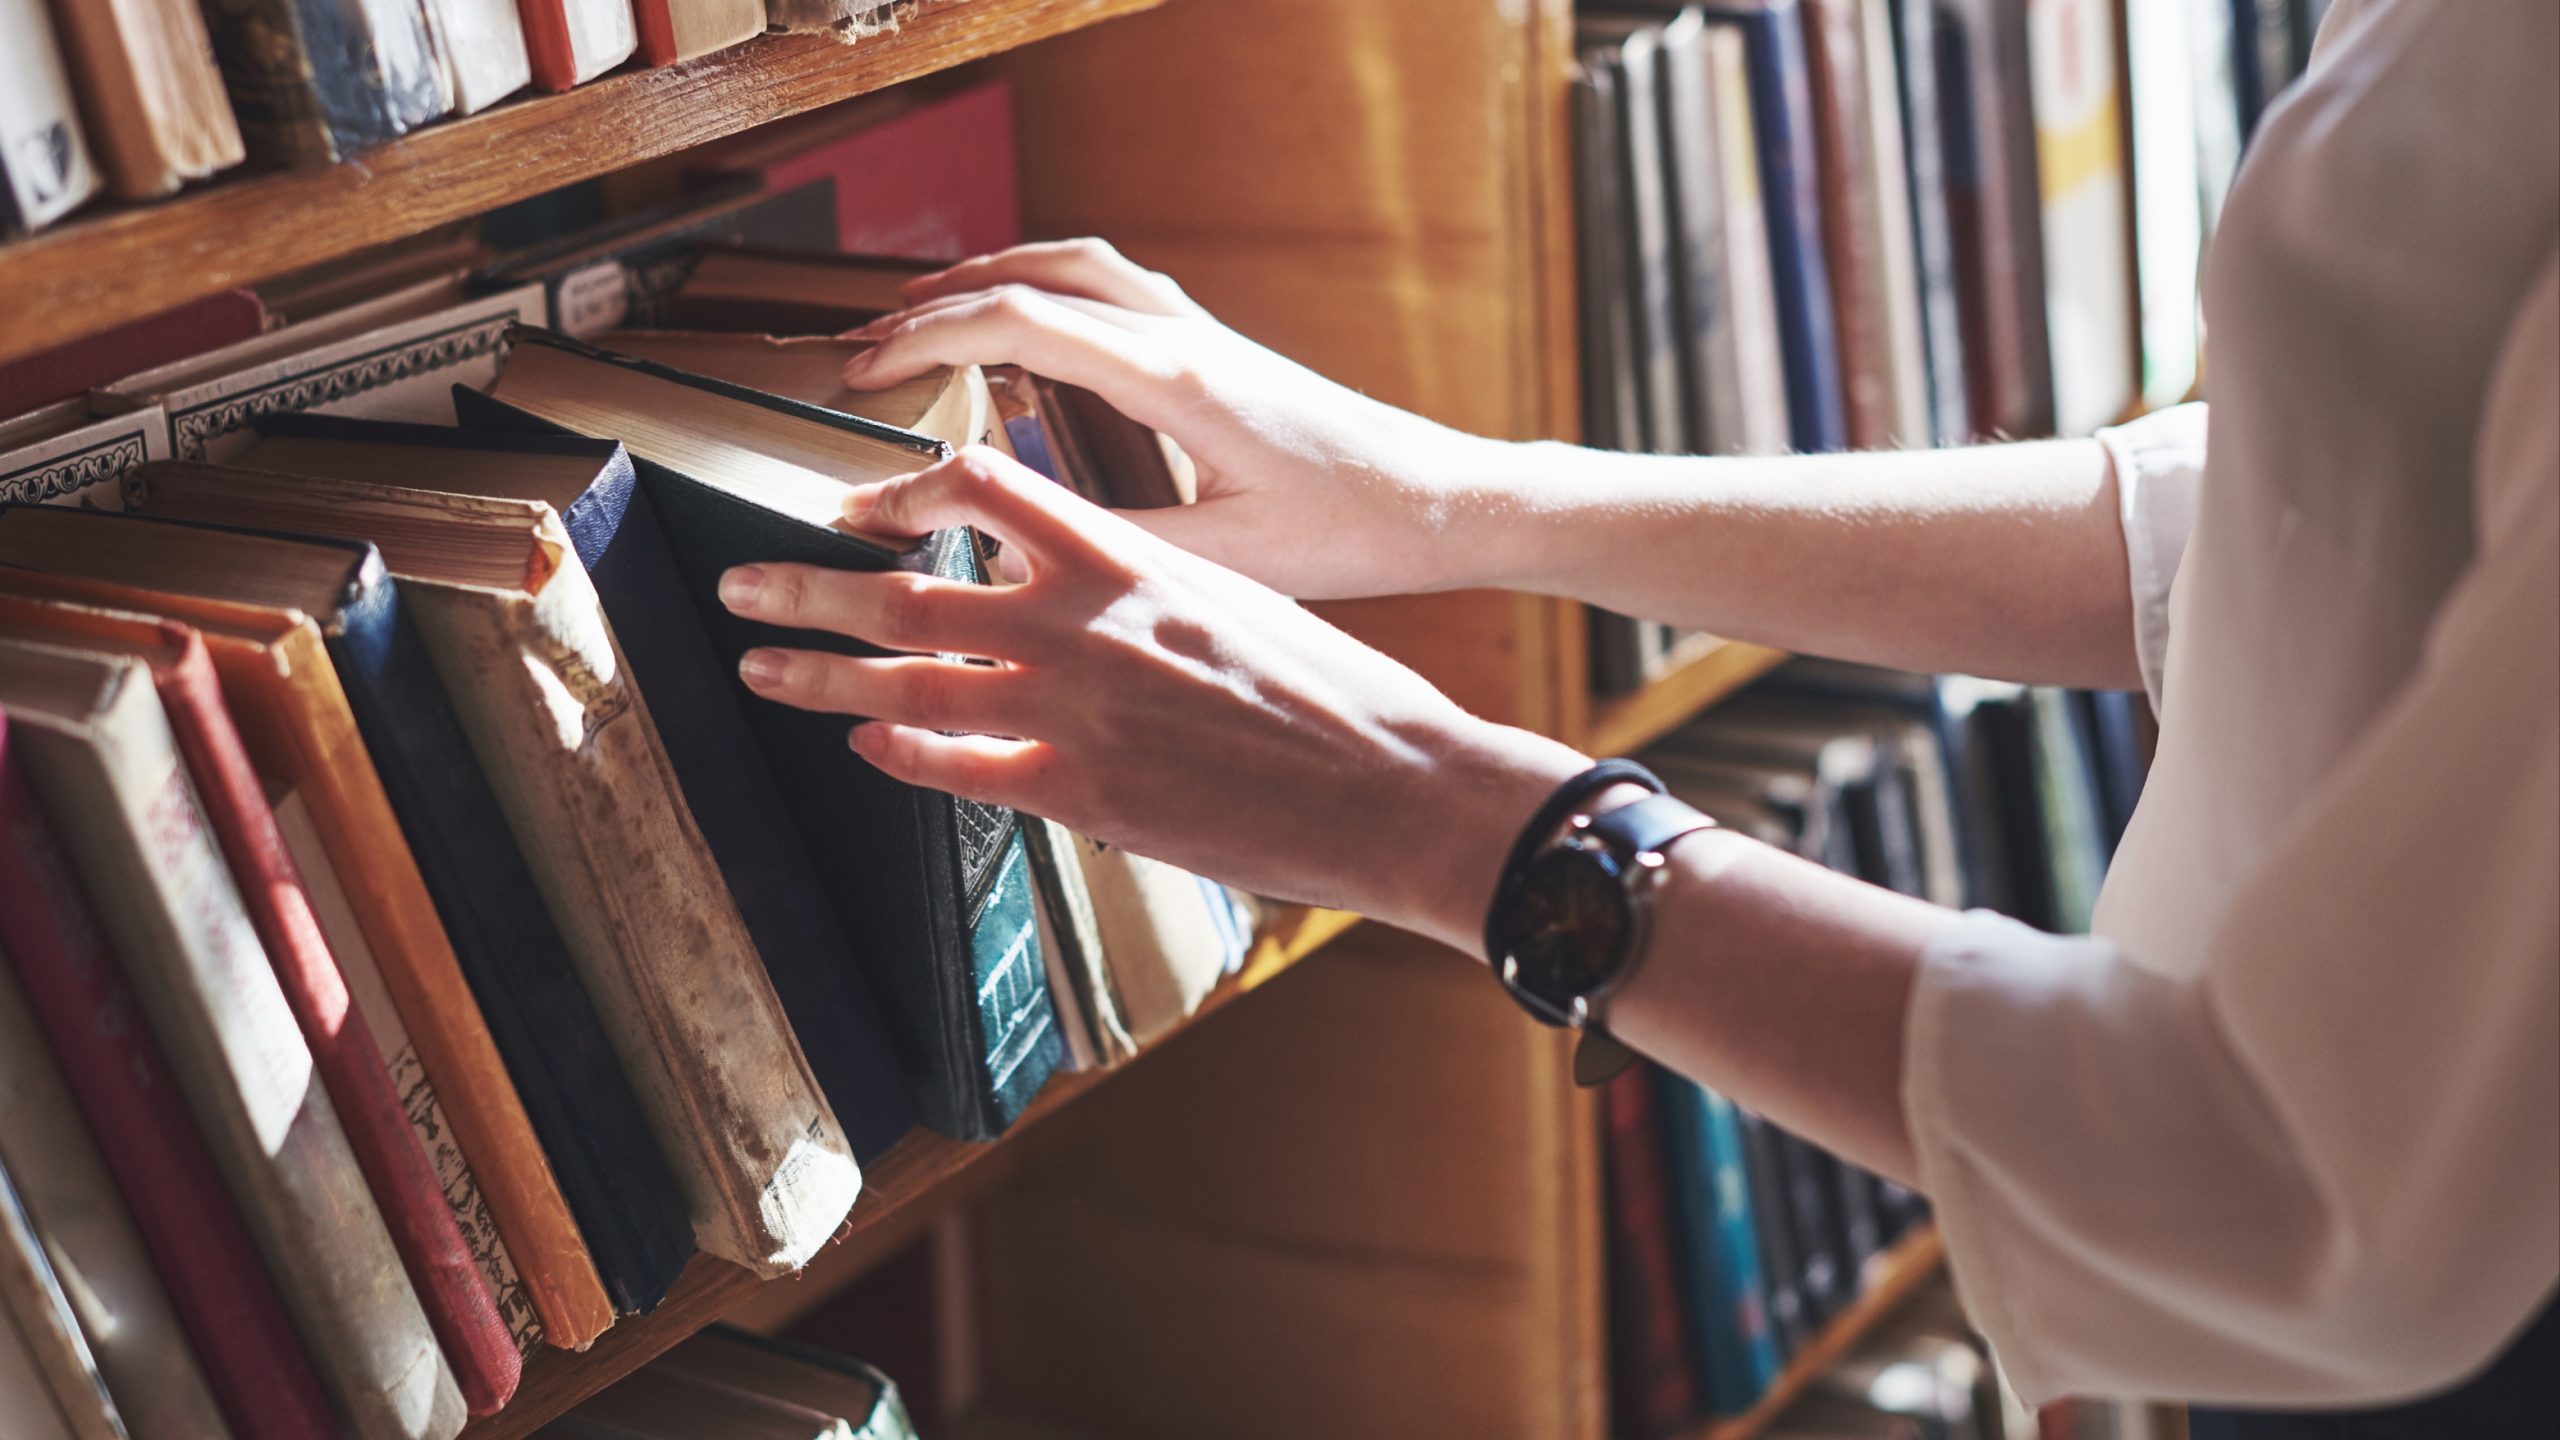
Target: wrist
<point>1486,783</point>
<point>1487,503</point>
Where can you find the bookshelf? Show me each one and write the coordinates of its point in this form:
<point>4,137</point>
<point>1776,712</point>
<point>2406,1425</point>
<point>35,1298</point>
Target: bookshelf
<point>117,263</point>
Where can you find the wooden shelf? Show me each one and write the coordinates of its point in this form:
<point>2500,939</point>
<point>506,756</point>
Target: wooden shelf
<point>1629,723</point>
<point>1894,1277</point>
<point>121,263</point>
<point>920,1179</point>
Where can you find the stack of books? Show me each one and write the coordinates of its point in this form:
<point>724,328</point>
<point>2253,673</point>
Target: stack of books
<point>1820,225</point>
<point>1731,1241</point>
<point>418,944</point>
<point>138,99</point>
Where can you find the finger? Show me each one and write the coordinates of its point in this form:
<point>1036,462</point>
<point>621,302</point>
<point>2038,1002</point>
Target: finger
<point>896,610</point>
<point>1103,310</point>
<point>1089,267</point>
<point>990,490</point>
<point>1011,773</point>
<point>1017,326</point>
<point>924,690</point>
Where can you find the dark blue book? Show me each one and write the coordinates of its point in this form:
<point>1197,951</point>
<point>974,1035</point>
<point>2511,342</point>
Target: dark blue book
<point>1737,1349</point>
<point>733,797</point>
<point>610,1167</point>
<point>935,891</point>
<point>1791,1320</point>
<point>1791,191</point>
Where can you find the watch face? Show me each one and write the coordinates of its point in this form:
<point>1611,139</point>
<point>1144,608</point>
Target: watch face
<point>1570,928</point>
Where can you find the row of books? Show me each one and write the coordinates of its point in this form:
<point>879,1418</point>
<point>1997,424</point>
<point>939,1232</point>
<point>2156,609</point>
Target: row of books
<point>1732,1241</point>
<point>138,99</point>
<point>369,726</point>
<point>1823,225</point>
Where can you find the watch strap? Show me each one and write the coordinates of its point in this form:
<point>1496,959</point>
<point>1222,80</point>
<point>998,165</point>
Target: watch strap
<point>1648,825</point>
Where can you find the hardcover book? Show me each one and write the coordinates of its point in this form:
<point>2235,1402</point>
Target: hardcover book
<point>1164,948</point>
<point>600,1146</point>
<point>1992,198</point>
<point>1071,944</point>
<point>1737,1351</point>
<point>851,17</point>
<point>315,81</point>
<point>1654,1371</point>
<point>395,358</point>
<point>936,890</point>
<point>512,623</point>
<point>734,798</point>
<point>481,43</point>
<point>108,775</point>
<point>131,1101</point>
<point>1631,50</point>
<point>950,404</point>
<point>31,1293</point>
<point>673,30</point>
<point>91,1242</point>
<point>1925,132</point>
<point>63,453</point>
<point>394,1166</point>
<point>621,272</point>
<point>1612,410</point>
<point>293,715</point>
<point>76,367</point>
<point>144,70</point>
<point>45,171</point>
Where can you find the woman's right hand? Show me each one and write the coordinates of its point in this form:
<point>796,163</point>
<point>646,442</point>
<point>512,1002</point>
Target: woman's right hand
<point>1307,486</point>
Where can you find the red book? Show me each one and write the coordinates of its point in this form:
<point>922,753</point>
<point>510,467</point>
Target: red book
<point>573,41</point>
<point>84,364</point>
<point>220,1291</point>
<point>1653,1384</point>
<point>931,178</point>
<point>485,1362</point>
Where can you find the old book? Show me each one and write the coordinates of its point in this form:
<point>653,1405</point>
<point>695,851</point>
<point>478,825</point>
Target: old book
<point>753,288</point>
<point>1737,1350</point>
<point>395,1166</point>
<point>915,172</point>
<point>2088,263</point>
<point>513,625</point>
<point>1992,199</point>
<point>1915,52</point>
<point>149,89</point>
<point>1853,218</point>
<point>1612,405</point>
<point>1695,155</point>
<point>481,43</point>
<point>574,41</point>
<point>76,367</point>
<point>1791,203</point>
<point>849,17</point>
<point>45,170</point>
<point>1653,1367</point>
<point>600,1145</point>
<point>125,1091</point>
<point>1164,948</point>
<point>279,686</point>
<point>107,773</point>
<point>64,453</point>
<point>396,358</point>
<point>332,286</point>
<point>673,30</point>
<point>2168,197</point>
<point>91,1242</point>
<point>1904,353</point>
<point>1631,49</point>
<point>621,272</point>
<point>734,799</point>
<point>26,1406</point>
<point>851,1393</point>
<point>316,81</point>
<point>950,404</point>
<point>935,890</point>
<point>32,1295</point>
<point>1072,948</point>
<point>1758,360</point>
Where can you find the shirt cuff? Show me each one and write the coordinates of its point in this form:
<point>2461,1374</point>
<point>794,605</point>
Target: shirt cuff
<point>2159,468</point>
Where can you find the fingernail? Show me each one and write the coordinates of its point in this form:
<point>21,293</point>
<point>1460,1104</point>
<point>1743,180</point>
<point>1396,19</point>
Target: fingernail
<point>741,585</point>
<point>861,500</point>
<point>863,738</point>
<point>762,669</point>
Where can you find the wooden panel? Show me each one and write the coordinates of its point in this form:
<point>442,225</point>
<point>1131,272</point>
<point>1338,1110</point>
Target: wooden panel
<point>1714,671</point>
<point>123,263</point>
<point>1370,1208</point>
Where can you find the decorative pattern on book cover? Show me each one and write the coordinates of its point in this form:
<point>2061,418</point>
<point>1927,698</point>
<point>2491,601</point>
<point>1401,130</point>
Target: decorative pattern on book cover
<point>67,457</point>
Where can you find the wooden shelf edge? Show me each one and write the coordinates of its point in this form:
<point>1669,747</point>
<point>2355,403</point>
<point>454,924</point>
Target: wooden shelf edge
<point>1631,722</point>
<point>118,263</point>
<point>1896,1275</point>
<point>904,1191</point>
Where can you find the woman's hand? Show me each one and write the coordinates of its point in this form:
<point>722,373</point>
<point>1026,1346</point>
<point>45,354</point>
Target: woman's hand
<point>1306,486</point>
<point>1155,700</point>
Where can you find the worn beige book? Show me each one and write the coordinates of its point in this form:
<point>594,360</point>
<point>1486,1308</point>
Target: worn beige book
<point>106,768</point>
<point>1071,945</point>
<point>513,626</point>
<point>81,1221</point>
<point>1162,946</point>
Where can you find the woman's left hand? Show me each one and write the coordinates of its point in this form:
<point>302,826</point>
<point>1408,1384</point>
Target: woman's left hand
<point>1155,701</point>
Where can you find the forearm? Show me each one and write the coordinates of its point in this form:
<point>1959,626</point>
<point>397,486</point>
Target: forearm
<point>2000,560</point>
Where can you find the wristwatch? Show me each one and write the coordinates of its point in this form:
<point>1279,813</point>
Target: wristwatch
<point>1574,909</point>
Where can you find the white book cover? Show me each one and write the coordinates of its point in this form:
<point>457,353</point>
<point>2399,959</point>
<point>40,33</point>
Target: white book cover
<point>396,357</point>
<point>482,44</point>
<point>62,454</point>
<point>44,161</point>
<point>602,34</point>
<point>80,1220</point>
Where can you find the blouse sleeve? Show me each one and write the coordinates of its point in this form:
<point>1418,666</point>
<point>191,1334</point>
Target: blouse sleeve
<point>2159,470</point>
<point>2324,1169</point>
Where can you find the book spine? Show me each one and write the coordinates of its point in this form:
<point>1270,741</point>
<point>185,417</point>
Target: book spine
<point>657,31</point>
<point>269,72</point>
<point>126,1093</point>
<point>689,1008</point>
<point>1611,416</point>
<point>31,1293</point>
<point>1916,56</point>
<point>547,44</point>
<point>1759,364</point>
<point>1645,230</point>
<point>1782,108</point>
<point>45,170</point>
<point>611,1167</point>
<point>1711,356</point>
<point>1737,1353</point>
<point>441,1269</point>
<point>1653,1385</point>
<point>1852,223</point>
<point>158,114</point>
<point>1782,1297</point>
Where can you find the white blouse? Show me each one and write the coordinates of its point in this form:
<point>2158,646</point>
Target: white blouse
<point>2286,1130</point>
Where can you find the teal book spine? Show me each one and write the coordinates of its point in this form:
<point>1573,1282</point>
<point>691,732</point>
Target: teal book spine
<point>1737,1351</point>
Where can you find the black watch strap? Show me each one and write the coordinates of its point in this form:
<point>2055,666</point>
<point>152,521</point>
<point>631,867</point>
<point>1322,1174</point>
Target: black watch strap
<point>1648,824</point>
